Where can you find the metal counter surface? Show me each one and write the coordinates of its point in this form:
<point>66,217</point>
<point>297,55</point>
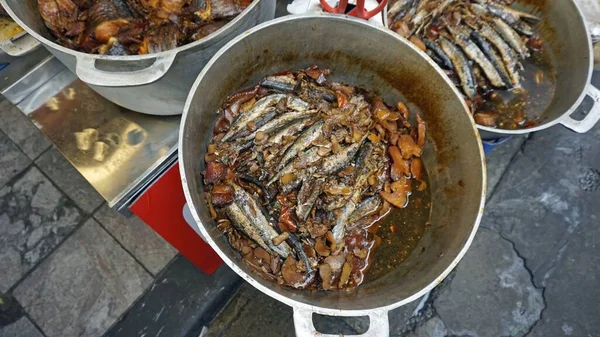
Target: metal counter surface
<point>118,151</point>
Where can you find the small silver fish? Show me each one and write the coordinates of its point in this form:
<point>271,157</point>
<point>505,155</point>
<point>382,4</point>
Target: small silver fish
<point>241,222</point>
<point>284,120</point>
<point>509,57</point>
<point>491,54</point>
<point>310,156</point>
<point>282,83</point>
<point>307,196</point>
<point>435,48</point>
<point>252,210</point>
<point>297,104</point>
<point>362,173</point>
<point>461,65</point>
<point>365,208</point>
<point>259,109</point>
<point>336,162</point>
<point>511,37</point>
<point>289,131</point>
<point>398,10</point>
<point>474,53</point>
<point>339,229</point>
<point>303,141</point>
<point>508,14</point>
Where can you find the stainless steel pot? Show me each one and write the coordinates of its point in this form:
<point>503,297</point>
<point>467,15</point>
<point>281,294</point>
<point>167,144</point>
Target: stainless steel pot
<point>155,84</point>
<point>564,27</point>
<point>359,54</point>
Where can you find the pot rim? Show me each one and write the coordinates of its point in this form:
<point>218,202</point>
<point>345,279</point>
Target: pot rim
<point>574,106</point>
<point>297,305</point>
<point>52,44</point>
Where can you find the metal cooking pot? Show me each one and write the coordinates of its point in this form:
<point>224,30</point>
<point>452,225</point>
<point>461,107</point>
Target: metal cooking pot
<point>376,59</point>
<point>155,84</point>
<point>563,26</point>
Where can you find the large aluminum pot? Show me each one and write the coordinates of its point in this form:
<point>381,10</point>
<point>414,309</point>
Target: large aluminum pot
<point>563,26</point>
<point>376,59</point>
<point>155,84</point>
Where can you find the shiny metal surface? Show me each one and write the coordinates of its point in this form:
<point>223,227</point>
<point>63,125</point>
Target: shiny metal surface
<point>32,79</point>
<point>353,51</point>
<point>19,45</point>
<point>12,77</point>
<point>564,27</point>
<point>155,84</point>
<point>119,152</point>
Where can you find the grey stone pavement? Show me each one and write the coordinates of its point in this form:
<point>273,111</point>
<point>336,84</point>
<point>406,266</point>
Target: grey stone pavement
<point>71,266</point>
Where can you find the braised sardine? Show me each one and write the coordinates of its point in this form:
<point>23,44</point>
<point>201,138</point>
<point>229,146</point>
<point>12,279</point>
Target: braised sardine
<point>258,110</point>
<point>252,210</point>
<point>461,65</point>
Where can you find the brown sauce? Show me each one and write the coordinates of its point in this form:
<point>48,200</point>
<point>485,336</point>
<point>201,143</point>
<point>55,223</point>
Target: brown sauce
<point>524,107</point>
<point>400,232</point>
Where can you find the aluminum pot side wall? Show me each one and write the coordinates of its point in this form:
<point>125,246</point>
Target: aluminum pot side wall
<point>454,156</point>
<point>167,95</point>
<point>565,30</point>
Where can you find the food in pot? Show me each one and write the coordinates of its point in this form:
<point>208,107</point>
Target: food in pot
<point>302,172</point>
<point>134,27</point>
<point>490,49</point>
<point>8,28</point>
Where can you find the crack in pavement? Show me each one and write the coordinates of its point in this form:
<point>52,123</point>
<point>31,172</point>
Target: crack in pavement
<point>541,289</point>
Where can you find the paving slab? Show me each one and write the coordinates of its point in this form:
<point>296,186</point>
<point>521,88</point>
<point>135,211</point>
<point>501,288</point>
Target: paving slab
<point>491,293</point>
<point>434,327</point>
<point>137,238</point>
<point>551,189</point>
<point>21,130</point>
<point>12,160</point>
<point>251,313</point>
<point>21,328</point>
<point>180,302</point>
<point>13,320</point>
<point>498,160</point>
<point>572,293</point>
<point>34,218</point>
<point>84,286</point>
<point>69,180</point>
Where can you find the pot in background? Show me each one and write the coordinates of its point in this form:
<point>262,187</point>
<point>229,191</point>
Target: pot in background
<point>378,60</point>
<point>566,32</point>
<point>155,84</point>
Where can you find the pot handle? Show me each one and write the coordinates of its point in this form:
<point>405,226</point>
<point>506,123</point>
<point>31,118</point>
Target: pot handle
<point>379,326</point>
<point>87,72</point>
<point>19,46</point>
<point>588,122</point>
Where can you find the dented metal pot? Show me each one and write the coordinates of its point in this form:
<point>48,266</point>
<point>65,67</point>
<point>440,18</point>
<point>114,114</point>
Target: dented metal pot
<point>155,84</point>
<point>375,59</point>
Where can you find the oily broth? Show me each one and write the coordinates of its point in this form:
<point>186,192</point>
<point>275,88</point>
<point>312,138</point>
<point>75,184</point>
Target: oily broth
<point>524,107</point>
<point>399,232</point>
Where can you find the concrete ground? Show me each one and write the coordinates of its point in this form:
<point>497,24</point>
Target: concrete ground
<point>70,266</point>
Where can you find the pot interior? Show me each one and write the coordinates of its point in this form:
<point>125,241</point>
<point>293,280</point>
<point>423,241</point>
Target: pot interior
<point>376,60</point>
<point>564,31</point>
